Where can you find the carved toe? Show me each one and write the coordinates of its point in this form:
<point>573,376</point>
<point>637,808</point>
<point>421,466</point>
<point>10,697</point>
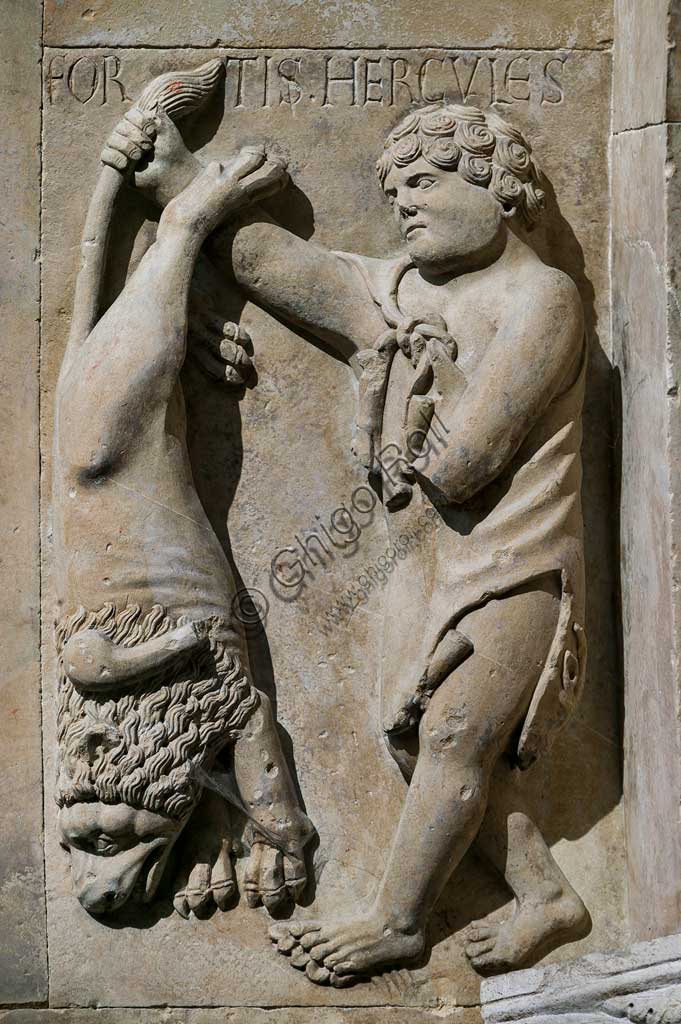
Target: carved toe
<point>299,958</point>
<point>315,972</point>
<point>287,944</point>
<point>223,893</point>
<point>477,949</point>
<point>180,904</point>
<point>278,931</point>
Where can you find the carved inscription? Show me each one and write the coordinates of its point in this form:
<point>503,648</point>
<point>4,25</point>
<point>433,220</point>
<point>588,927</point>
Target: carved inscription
<point>85,78</point>
<point>340,79</point>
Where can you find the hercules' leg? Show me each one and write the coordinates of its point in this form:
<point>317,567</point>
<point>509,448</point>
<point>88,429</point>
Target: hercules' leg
<point>463,732</point>
<point>547,911</point>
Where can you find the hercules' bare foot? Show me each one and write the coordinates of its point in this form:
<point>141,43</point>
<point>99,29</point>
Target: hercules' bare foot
<point>337,952</point>
<point>531,932</point>
<point>206,876</point>
<point>219,347</point>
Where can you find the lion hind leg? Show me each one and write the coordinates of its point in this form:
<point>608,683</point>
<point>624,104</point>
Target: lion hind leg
<point>279,829</point>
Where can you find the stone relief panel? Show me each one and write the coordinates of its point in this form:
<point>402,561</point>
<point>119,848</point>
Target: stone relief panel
<point>249,306</point>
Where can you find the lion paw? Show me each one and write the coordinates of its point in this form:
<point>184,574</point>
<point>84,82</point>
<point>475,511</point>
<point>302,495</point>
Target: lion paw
<point>205,879</point>
<point>273,878</point>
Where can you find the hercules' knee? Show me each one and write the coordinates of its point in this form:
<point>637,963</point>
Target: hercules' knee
<point>451,736</point>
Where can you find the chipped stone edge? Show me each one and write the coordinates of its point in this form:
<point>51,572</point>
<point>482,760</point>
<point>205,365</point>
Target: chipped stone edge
<point>639,984</point>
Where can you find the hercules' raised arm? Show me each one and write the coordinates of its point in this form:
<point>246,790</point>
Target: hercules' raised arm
<point>323,294</point>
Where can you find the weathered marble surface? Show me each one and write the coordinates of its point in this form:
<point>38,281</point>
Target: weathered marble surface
<point>646,85</point>
<point>548,68</point>
<point>23,968</point>
<point>249,1015</point>
<point>344,771</point>
<point>645,351</point>
<point>522,23</point>
<point>642,985</point>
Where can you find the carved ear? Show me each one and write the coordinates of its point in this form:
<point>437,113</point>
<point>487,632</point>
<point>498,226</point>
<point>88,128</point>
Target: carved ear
<point>97,740</point>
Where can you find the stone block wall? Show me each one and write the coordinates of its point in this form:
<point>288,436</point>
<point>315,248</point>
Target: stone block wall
<point>324,83</point>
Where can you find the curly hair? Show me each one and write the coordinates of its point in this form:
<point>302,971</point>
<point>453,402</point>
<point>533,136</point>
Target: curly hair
<point>480,145</point>
<point>142,747</point>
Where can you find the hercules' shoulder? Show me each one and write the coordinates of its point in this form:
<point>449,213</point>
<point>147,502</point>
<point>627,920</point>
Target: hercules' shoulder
<point>550,299</point>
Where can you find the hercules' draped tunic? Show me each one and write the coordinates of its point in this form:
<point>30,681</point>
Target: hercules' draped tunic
<point>525,524</point>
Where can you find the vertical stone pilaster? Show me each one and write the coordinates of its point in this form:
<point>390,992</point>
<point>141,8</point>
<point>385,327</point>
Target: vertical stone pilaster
<point>647,352</point>
<point>23,952</point>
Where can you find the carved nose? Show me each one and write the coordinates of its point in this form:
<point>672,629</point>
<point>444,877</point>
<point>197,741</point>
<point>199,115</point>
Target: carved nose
<point>96,901</point>
<point>407,211</point>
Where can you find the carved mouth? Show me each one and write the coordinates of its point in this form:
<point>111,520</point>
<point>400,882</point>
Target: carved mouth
<point>149,877</point>
<point>414,227</point>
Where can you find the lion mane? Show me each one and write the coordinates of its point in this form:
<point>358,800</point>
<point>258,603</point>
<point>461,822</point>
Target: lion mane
<point>146,747</point>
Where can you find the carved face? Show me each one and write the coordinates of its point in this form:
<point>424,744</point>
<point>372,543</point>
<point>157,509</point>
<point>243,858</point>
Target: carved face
<point>115,851</point>
<point>444,220</point>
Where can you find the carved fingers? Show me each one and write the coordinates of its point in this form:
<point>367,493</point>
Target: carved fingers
<point>221,348</point>
<point>265,180</point>
<point>414,333</point>
<point>255,175</point>
<point>249,159</point>
<point>132,138</point>
<point>150,149</point>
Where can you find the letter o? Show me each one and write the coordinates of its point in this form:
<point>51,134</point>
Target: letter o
<point>72,79</point>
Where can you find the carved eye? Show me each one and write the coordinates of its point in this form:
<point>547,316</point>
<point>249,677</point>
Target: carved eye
<point>424,183</point>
